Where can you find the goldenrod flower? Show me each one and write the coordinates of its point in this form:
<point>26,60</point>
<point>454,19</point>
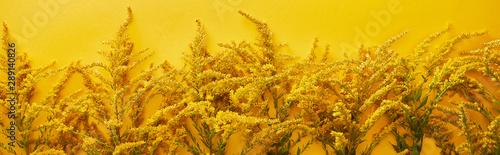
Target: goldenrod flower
<point>124,146</point>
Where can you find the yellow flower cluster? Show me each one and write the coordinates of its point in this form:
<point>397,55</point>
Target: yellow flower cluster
<point>251,89</point>
<point>19,91</point>
<point>126,146</point>
<point>49,152</point>
<point>340,140</point>
<point>405,152</point>
<point>377,114</point>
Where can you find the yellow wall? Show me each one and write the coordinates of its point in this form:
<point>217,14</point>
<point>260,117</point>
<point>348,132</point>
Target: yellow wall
<point>71,30</point>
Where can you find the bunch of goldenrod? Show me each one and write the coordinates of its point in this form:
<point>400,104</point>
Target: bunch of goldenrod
<point>258,108</point>
<point>482,140</point>
<point>16,98</point>
<point>108,114</point>
<point>428,116</point>
<point>206,93</point>
<point>335,95</point>
<point>254,90</point>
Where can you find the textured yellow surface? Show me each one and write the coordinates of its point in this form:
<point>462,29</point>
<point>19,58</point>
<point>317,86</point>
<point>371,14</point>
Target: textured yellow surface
<point>71,30</point>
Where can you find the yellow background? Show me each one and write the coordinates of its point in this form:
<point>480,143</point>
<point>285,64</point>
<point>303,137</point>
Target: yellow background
<point>71,30</point>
